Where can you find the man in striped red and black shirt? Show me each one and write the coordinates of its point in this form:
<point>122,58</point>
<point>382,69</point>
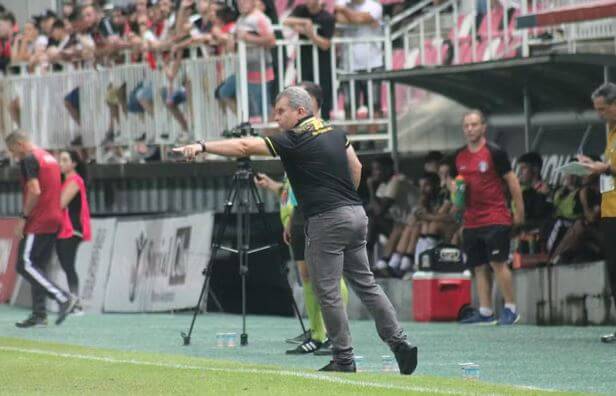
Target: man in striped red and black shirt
<point>38,226</point>
<point>487,218</point>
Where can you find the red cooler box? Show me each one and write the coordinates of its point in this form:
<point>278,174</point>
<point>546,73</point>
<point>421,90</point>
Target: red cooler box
<point>440,296</point>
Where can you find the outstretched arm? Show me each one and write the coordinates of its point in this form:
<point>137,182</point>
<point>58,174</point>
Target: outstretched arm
<point>242,147</point>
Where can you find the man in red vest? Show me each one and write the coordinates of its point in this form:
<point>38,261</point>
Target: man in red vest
<point>38,226</point>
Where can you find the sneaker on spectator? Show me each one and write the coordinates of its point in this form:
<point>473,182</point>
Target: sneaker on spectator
<point>109,137</point>
<point>380,269</point>
<point>479,319</point>
<point>308,346</point>
<point>508,317</point>
<point>32,321</point>
<point>66,308</point>
<point>407,276</point>
<point>608,338</point>
<point>77,141</point>
<point>300,338</point>
<point>77,309</point>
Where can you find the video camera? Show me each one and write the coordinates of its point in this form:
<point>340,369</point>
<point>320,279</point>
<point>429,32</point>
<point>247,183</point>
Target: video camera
<point>242,130</point>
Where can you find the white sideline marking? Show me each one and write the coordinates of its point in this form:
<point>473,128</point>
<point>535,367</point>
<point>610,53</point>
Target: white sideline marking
<point>282,373</point>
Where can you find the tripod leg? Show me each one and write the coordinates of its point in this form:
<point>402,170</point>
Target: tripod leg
<point>216,301</point>
<point>261,212</point>
<point>243,242</point>
<point>218,236</point>
<point>204,288</point>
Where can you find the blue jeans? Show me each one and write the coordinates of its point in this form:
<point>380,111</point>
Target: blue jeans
<point>255,99</point>
<point>228,90</point>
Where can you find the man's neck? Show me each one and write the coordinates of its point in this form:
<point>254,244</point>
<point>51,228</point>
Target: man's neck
<point>474,147</point>
<point>302,120</point>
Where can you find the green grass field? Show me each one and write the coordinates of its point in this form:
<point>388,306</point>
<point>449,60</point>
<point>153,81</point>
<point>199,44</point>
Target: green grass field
<point>143,354</point>
<point>30,367</point>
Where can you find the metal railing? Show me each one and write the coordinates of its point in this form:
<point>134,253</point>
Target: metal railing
<point>339,53</point>
<point>109,100</point>
<point>123,104</point>
<point>570,34</point>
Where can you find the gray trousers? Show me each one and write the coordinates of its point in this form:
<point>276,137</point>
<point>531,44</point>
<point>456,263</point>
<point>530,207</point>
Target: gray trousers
<point>336,245</point>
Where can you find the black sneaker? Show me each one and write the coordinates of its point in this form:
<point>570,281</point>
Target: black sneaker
<point>608,338</point>
<point>66,309</point>
<point>77,141</point>
<point>32,321</point>
<point>109,138</point>
<point>77,309</point>
<point>327,349</point>
<point>341,368</point>
<point>300,338</point>
<point>406,356</point>
<point>307,346</point>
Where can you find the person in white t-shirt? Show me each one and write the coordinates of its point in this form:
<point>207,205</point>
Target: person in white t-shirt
<point>363,19</point>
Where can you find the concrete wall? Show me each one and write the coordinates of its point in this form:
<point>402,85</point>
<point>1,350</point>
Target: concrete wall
<point>580,296</point>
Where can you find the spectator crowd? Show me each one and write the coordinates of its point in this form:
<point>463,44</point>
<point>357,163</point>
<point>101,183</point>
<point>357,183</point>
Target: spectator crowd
<point>409,217</point>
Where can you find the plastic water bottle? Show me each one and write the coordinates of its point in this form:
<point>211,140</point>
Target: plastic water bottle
<point>458,196</point>
<point>470,371</point>
<point>388,363</point>
<point>220,340</point>
<point>359,363</point>
<point>231,340</point>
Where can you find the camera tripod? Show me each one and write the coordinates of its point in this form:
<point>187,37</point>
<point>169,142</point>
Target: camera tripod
<point>243,191</point>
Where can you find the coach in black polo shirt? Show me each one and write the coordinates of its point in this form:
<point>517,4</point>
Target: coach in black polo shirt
<point>324,173</point>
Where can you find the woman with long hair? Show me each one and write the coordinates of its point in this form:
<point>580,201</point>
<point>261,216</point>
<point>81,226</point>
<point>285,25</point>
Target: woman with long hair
<point>76,217</point>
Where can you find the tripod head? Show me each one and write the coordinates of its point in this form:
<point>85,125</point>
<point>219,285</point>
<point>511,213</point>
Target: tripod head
<point>244,163</point>
<point>244,169</point>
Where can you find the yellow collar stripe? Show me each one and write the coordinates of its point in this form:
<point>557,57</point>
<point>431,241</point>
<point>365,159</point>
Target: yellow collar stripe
<point>314,125</point>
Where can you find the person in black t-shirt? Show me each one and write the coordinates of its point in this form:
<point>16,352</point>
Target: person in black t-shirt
<point>324,172</point>
<point>303,19</point>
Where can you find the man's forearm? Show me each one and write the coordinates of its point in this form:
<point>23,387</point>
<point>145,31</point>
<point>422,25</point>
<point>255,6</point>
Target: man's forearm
<point>293,21</point>
<point>228,148</point>
<point>320,42</point>
<point>30,203</point>
<point>261,41</point>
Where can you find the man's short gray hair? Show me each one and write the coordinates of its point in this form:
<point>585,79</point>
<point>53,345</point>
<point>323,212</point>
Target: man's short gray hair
<point>298,97</point>
<point>606,91</point>
<point>16,137</point>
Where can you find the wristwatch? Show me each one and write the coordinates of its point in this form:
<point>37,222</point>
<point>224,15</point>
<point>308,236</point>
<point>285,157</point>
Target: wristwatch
<point>202,143</point>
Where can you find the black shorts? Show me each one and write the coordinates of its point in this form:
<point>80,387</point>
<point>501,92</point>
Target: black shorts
<point>485,245</point>
<point>298,236</point>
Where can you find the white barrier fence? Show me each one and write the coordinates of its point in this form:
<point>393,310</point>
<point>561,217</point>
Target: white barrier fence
<point>127,102</point>
<point>144,265</point>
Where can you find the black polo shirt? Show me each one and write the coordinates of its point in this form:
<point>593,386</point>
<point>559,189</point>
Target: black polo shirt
<point>314,157</point>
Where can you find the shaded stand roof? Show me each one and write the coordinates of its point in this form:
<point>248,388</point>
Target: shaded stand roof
<point>555,82</point>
